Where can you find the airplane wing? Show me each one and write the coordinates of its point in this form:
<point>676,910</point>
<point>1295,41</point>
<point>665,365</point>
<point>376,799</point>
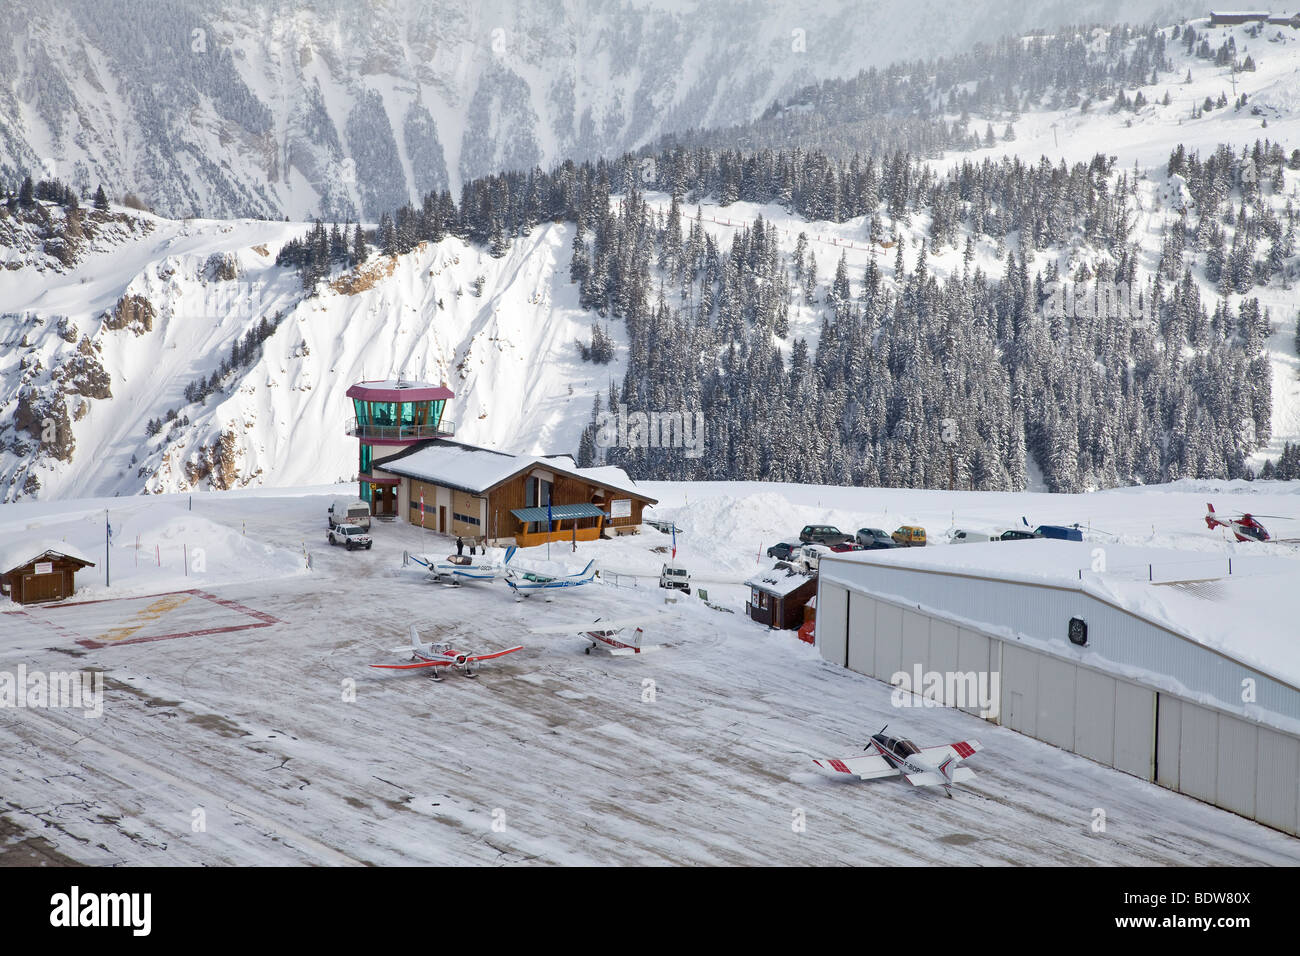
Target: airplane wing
<point>488,657</point>
<point>866,767</point>
<point>932,778</point>
<point>407,667</point>
<point>597,625</point>
<point>961,750</point>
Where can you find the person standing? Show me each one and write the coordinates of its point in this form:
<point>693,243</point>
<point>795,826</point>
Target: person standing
<point>460,546</point>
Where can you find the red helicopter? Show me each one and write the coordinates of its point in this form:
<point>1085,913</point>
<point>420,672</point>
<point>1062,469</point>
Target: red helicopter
<point>1244,526</point>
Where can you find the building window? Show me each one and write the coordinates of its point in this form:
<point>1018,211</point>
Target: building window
<point>465,519</point>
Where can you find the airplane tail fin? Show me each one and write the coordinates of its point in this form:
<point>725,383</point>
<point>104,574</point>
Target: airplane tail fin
<point>588,569</point>
<point>415,637</point>
<point>637,637</point>
<point>510,553</point>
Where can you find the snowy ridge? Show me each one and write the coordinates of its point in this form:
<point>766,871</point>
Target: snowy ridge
<point>509,355</point>
<point>348,109</point>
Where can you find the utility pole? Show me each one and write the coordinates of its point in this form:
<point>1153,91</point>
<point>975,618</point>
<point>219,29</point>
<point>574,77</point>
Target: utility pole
<point>108,533</point>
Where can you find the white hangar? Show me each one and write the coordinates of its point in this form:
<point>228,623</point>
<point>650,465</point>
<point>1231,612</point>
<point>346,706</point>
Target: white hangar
<point>1182,669</point>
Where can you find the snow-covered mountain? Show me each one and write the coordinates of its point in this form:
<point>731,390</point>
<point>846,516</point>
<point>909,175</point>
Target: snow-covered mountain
<point>94,354</point>
<point>347,108</point>
<point>102,337</point>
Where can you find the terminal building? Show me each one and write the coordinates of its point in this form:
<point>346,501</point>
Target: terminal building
<point>409,466</point>
<point>1182,670</point>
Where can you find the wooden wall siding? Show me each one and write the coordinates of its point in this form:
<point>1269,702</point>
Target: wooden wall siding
<point>785,612</point>
<point>63,569</point>
<point>512,495</point>
<point>501,501</point>
<point>524,540</point>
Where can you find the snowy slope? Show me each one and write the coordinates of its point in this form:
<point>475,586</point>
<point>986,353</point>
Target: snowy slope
<point>509,355</point>
<point>261,107</point>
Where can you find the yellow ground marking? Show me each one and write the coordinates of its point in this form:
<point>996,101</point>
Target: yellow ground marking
<point>168,602</point>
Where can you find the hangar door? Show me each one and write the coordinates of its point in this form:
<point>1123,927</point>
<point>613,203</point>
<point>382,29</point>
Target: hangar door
<point>832,623</point>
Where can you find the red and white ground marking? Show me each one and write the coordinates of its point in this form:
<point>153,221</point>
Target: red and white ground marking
<point>135,620</point>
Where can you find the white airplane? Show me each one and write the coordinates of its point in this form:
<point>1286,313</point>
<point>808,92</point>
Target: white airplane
<point>919,766</point>
<point>459,567</point>
<point>524,580</point>
<point>607,633</point>
<point>441,654</point>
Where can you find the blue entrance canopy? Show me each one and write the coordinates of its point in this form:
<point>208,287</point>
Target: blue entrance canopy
<point>558,513</point>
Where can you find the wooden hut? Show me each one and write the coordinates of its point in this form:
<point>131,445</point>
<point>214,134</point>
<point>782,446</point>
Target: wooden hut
<point>38,571</point>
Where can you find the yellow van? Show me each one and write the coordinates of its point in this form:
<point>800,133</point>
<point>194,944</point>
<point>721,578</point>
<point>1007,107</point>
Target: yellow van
<point>909,536</point>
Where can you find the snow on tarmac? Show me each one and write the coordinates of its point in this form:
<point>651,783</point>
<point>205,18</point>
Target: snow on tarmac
<point>279,745</point>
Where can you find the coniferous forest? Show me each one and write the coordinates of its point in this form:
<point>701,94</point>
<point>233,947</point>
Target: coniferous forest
<point>1176,386</point>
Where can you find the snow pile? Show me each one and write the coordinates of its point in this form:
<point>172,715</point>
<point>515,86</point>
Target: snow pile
<point>156,545</point>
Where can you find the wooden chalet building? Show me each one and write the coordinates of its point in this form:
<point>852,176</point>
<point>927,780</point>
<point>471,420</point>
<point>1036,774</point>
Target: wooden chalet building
<point>777,597</point>
<point>33,572</point>
<point>499,499</point>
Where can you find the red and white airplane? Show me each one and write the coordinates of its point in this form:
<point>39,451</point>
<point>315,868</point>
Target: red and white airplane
<point>609,634</point>
<point>919,766</point>
<point>1244,526</point>
<point>441,654</point>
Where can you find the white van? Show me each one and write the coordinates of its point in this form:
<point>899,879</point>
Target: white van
<point>965,536</point>
<point>349,511</point>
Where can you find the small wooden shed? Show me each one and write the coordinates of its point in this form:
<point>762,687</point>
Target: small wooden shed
<point>777,597</point>
<point>34,572</point>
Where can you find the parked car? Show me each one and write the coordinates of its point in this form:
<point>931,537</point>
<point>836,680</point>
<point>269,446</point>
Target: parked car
<point>783,550</point>
<point>823,534</point>
<point>810,555</point>
<point>1017,534</point>
<point>910,536</point>
<point>350,535</point>
<point>873,538</point>
<point>845,547</point>
<point>348,511</point>
<point>674,577</point>
<point>1058,531</point>
<point>965,536</point>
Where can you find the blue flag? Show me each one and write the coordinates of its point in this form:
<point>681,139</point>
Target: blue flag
<point>674,541</point>
<point>549,523</point>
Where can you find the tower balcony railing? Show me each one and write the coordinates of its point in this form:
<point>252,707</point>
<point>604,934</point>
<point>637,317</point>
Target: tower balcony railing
<point>369,431</point>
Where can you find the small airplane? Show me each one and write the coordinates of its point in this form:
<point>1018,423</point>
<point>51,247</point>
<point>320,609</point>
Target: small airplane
<point>607,633</point>
<point>441,654</point>
<point>459,567</point>
<point>919,766</point>
<point>524,580</point>
<point>1244,526</point>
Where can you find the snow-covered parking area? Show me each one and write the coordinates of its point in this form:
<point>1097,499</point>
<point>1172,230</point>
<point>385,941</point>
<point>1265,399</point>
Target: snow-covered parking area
<point>235,744</point>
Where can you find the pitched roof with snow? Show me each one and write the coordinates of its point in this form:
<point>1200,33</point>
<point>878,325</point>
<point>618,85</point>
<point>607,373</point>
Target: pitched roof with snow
<point>476,470</point>
<point>22,553</point>
<point>778,581</point>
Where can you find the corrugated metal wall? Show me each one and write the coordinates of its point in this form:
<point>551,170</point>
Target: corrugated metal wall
<point>1187,746</point>
<point>1043,613</point>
